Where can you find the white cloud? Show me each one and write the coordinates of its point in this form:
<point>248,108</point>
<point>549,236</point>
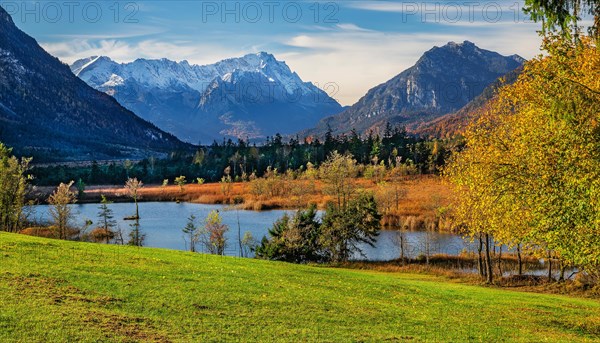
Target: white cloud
<point>448,12</point>
<point>379,6</point>
<point>352,27</point>
<point>130,32</point>
<point>122,51</point>
<point>414,7</point>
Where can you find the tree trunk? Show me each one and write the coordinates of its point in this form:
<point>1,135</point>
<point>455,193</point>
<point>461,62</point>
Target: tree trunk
<point>192,245</point>
<point>427,247</point>
<point>480,257</point>
<point>488,260</point>
<point>563,267</point>
<point>519,259</point>
<point>500,262</point>
<point>402,247</point>
<point>239,234</point>
<point>549,266</point>
<point>137,210</point>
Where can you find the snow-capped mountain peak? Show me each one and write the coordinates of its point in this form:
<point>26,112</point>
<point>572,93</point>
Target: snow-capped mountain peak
<point>49,113</point>
<point>245,96</point>
<point>114,81</point>
<point>163,73</point>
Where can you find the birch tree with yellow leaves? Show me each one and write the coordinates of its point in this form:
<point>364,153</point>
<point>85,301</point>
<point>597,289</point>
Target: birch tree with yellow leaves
<point>530,170</point>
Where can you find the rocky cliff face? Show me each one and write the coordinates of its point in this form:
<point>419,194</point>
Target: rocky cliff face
<point>454,123</point>
<point>442,81</point>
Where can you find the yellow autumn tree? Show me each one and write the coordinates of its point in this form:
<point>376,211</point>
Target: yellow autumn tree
<point>530,170</point>
<point>13,186</point>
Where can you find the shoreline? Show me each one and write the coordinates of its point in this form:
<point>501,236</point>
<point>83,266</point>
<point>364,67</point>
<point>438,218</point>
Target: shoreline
<point>412,202</point>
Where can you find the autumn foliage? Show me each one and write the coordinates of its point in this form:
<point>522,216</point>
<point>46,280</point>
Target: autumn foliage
<point>530,172</point>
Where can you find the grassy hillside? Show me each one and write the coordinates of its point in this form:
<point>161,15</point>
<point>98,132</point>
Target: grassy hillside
<point>59,291</point>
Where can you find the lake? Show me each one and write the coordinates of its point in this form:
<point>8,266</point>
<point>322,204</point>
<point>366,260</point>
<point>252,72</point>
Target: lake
<point>162,223</point>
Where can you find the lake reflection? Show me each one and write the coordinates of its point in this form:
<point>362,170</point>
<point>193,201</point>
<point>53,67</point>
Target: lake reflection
<point>162,223</point>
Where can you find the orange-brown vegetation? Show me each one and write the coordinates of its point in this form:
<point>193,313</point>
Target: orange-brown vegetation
<point>100,234</point>
<point>413,202</point>
<point>48,232</point>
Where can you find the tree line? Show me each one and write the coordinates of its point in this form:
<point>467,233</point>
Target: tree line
<point>244,159</point>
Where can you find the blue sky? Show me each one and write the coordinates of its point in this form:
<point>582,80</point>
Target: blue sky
<point>352,44</point>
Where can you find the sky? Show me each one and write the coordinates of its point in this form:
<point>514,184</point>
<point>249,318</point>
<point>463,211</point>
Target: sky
<point>345,47</point>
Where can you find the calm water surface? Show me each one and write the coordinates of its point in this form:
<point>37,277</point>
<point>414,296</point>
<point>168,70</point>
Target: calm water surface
<point>162,223</point>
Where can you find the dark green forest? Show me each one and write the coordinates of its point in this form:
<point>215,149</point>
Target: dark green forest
<point>244,159</point>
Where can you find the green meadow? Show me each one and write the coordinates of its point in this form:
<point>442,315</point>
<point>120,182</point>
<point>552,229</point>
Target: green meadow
<point>61,291</point>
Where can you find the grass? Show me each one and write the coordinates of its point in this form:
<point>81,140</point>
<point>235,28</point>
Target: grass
<point>58,291</point>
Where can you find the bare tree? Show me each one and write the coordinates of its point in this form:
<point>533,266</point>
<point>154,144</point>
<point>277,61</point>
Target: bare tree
<point>248,244</point>
<point>119,239</point>
<point>60,211</point>
<point>226,181</point>
<point>133,186</point>
<point>400,240</point>
<point>136,237</point>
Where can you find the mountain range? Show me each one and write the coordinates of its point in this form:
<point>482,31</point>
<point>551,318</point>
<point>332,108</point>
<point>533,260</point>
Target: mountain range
<point>250,97</point>
<point>443,81</point>
<point>85,111</point>
<point>48,113</point>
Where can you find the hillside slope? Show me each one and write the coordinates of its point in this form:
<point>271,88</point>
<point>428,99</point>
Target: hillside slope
<point>48,113</point>
<point>453,124</point>
<point>92,292</point>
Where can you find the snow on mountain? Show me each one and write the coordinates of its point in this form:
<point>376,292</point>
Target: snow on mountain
<point>164,73</point>
<point>79,65</point>
<point>114,81</point>
<point>238,97</point>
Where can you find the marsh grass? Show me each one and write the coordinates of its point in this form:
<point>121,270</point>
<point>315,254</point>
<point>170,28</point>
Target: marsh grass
<point>422,196</point>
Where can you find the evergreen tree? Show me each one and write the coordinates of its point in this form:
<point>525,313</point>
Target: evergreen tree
<point>191,232</point>
<point>343,229</point>
<point>294,239</point>
<point>106,220</point>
